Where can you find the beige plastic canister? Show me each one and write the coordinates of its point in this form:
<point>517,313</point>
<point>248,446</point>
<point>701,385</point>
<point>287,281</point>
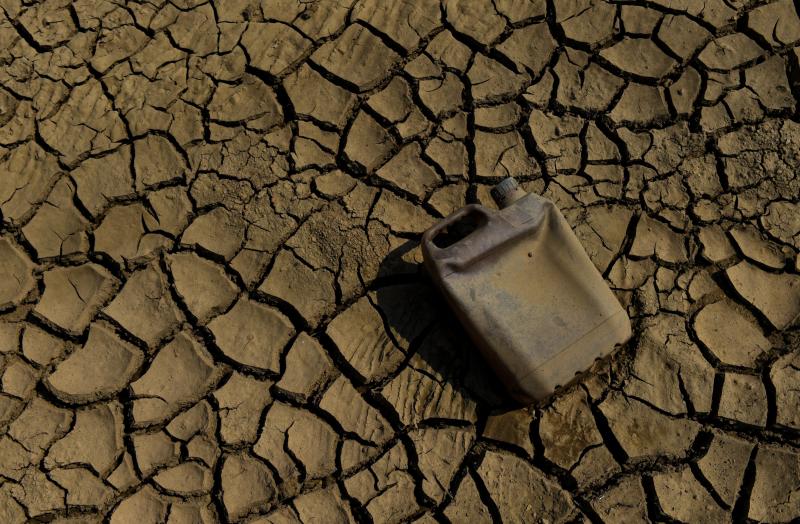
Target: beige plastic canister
<point>525,291</point>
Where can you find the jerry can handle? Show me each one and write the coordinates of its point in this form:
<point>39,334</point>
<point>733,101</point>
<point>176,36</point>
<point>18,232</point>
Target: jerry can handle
<point>433,232</point>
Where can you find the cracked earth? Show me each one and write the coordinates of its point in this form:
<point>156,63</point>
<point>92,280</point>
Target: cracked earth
<point>211,307</point>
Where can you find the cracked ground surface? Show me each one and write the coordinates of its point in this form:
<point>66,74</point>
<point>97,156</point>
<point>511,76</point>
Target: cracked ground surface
<point>211,307</point>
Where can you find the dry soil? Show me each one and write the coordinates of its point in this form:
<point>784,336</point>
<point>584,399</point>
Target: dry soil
<point>211,308</point>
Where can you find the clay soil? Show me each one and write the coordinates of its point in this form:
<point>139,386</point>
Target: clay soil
<point>211,304</point>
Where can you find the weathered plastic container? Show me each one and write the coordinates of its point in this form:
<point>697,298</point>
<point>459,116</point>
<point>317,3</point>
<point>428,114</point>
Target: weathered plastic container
<point>525,290</point>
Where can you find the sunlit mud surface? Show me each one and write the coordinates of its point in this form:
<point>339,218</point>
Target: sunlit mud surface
<point>211,307</point>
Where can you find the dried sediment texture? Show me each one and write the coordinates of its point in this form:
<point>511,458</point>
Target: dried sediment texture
<point>211,308</point>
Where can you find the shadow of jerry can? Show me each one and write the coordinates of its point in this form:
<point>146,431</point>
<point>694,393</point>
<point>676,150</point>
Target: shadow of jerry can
<point>525,290</point>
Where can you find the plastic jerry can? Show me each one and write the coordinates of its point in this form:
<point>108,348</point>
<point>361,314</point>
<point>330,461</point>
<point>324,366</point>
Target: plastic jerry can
<point>525,290</point>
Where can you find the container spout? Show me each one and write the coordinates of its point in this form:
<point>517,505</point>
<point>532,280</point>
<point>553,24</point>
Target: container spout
<point>507,192</point>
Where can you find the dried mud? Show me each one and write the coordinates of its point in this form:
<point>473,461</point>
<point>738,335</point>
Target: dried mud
<point>211,308</point>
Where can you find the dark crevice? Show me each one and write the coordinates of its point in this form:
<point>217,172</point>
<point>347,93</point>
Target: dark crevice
<point>486,497</point>
<point>742,505</point>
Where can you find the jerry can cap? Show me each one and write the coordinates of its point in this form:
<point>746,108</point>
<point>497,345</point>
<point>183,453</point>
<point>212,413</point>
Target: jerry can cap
<point>507,192</point>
